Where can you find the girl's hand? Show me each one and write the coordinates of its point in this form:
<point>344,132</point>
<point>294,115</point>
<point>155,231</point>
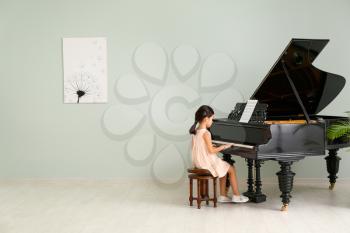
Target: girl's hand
<point>226,146</point>
<point>209,144</point>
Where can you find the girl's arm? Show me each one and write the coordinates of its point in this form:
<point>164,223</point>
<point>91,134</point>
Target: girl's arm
<point>210,147</point>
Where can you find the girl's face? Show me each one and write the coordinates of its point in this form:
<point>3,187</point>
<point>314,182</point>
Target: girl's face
<point>209,121</point>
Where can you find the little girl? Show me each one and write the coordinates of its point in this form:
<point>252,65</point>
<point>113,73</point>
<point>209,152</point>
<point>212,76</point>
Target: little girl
<point>204,155</point>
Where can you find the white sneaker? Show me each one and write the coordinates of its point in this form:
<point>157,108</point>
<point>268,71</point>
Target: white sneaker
<point>239,199</point>
<point>224,199</point>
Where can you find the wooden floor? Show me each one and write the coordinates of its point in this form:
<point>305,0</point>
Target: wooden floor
<point>141,206</point>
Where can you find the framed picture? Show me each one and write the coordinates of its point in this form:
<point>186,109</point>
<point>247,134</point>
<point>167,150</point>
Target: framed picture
<point>85,70</point>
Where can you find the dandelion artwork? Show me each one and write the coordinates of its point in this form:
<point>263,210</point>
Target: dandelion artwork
<point>85,70</point>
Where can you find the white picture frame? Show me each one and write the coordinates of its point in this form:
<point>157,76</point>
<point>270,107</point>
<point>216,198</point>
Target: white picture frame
<point>85,69</point>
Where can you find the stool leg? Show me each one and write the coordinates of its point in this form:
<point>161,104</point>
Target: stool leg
<point>198,194</point>
<point>214,182</point>
<point>207,191</point>
<point>202,189</point>
<point>191,192</point>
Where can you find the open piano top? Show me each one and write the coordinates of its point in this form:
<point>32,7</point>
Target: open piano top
<point>315,88</point>
<point>294,92</point>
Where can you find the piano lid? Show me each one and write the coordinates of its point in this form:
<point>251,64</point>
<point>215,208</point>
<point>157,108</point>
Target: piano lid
<point>315,87</point>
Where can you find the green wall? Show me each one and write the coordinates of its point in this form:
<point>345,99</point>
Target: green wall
<point>43,138</point>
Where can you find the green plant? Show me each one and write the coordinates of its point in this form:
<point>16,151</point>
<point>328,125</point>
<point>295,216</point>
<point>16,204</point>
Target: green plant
<point>338,130</point>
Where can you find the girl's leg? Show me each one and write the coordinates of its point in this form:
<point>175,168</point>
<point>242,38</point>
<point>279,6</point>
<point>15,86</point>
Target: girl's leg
<point>223,191</point>
<point>233,180</point>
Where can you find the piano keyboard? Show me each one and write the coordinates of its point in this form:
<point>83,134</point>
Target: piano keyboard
<point>234,144</point>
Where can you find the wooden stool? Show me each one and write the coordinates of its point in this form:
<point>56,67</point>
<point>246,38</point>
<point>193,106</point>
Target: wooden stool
<point>202,176</point>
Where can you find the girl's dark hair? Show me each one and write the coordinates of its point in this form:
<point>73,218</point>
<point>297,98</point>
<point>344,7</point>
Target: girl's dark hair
<point>202,112</point>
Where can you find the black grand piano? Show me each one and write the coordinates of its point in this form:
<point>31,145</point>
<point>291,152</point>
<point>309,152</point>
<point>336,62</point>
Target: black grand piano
<point>285,126</point>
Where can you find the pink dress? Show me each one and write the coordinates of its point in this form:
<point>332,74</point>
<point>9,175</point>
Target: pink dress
<point>201,158</point>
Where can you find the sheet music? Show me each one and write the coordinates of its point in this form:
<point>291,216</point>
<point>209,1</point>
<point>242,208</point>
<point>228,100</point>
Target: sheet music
<point>248,111</point>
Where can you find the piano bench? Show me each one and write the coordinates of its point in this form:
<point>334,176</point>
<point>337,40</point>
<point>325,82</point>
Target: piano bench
<point>199,171</point>
<point>202,188</point>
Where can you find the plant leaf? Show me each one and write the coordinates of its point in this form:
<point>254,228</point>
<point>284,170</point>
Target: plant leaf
<point>338,130</point>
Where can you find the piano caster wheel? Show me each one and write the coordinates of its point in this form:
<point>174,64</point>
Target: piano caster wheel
<point>331,186</point>
<point>284,207</point>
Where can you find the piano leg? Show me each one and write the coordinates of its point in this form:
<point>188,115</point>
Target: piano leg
<point>332,166</point>
<point>228,158</point>
<point>258,196</point>
<point>250,181</point>
<point>285,180</point>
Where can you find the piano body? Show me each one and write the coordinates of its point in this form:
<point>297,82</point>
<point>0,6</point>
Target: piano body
<point>285,126</point>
